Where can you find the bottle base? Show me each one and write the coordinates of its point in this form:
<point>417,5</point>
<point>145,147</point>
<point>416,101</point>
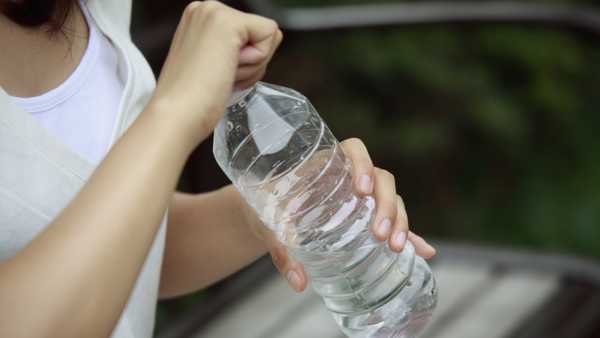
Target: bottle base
<point>403,316</point>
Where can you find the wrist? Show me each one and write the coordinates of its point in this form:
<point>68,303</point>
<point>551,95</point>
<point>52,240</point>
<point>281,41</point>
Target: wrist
<point>173,123</point>
<point>191,122</point>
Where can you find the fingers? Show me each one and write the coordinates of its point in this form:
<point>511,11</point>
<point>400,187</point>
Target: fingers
<point>253,63</point>
<point>291,270</point>
<point>278,39</point>
<point>385,195</point>
<point>255,37</point>
<point>362,166</point>
<point>251,55</point>
<point>422,248</point>
<point>399,234</point>
<point>260,32</point>
<point>391,221</point>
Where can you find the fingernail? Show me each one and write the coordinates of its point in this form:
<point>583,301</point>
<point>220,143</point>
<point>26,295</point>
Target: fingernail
<point>384,228</point>
<point>365,184</point>
<point>294,279</point>
<point>400,239</point>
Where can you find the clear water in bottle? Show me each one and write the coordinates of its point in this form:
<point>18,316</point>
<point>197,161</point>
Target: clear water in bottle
<point>290,168</point>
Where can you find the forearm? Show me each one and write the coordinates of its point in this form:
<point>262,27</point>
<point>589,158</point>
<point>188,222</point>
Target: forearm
<point>74,279</point>
<point>208,238</point>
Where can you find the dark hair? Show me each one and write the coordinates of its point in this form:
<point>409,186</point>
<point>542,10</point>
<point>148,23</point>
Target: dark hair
<point>38,13</point>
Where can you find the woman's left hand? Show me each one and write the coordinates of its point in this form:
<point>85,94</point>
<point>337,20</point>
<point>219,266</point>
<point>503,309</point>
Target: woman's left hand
<point>391,220</point>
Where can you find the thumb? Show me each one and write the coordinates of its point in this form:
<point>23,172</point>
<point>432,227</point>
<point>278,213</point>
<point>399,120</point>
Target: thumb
<point>250,55</point>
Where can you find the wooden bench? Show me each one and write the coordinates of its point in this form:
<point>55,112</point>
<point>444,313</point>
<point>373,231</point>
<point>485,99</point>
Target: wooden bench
<point>484,293</point>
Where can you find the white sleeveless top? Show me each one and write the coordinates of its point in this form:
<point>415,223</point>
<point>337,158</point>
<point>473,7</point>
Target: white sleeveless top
<point>66,112</point>
<point>40,172</point>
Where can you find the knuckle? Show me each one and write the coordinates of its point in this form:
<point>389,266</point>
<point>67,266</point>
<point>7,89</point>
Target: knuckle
<point>191,7</point>
<point>212,5</point>
<point>214,11</point>
<point>353,141</point>
<point>392,179</point>
<point>386,175</point>
<point>400,200</point>
<point>272,24</point>
<point>189,10</point>
<point>400,203</point>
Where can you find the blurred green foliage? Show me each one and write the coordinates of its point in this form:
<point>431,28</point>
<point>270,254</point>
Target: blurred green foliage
<point>490,130</point>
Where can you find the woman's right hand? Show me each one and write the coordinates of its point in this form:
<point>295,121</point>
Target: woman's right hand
<point>103,236</point>
<point>215,49</point>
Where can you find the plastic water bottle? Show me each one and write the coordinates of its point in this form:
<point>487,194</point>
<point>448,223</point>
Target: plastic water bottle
<point>289,167</point>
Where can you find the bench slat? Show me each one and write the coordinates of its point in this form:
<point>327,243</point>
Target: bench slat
<point>456,280</point>
<point>313,321</point>
<point>473,303</point>
<point>458,285</point>
<point>256,314</point>
<point>501,309</point>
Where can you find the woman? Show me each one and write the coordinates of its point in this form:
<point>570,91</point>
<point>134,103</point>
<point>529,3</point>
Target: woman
<point>90,153</point>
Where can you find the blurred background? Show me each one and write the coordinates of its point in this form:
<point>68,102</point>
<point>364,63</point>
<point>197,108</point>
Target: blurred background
<point>490,129</point>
